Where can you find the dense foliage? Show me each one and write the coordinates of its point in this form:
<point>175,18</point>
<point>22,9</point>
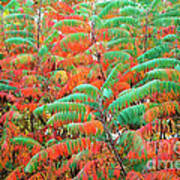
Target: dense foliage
<point>89,90</point>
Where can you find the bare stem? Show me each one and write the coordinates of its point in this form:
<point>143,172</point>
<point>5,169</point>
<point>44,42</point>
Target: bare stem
<point>101,69</point>
<point>39,25</point>
<point>38,34</point>
<point>110,140</point>
<point>146,35</point>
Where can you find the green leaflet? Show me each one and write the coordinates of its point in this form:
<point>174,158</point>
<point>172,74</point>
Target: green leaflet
<point>29,3</point>
<point>114,33</point>
<point>176,51</point>
<point>43,51</point>
<point>169,14</point>
<point>161,74</point>
<point>116,55</point>
<point>50,38</point>
<point>72,37</point>
<point>1,56</point>
<point>57,107</point>
<point>132,115</point>
<point>82,10</point>
<point>130,141</point>
<point>51,142</point>
<point>1,7</point>
<point>19,16</point>
<point>167,21</point>
<point>35,161</point>
<point>177,68</point>
<point>115,42</point>
<point>86,99</point>
<point>155,52</point>
<point>25,140</point>
<point>79,157</point>
<point>43,155</point>
<point>112,65</point>
<point>12,4</point>
<point>19,40</point>
<point>125,92</point>
<point>101,4</point>
<point>77,129</point>
<point>19,33</point>
<point>176,5</point>
<point>156,63</point>
<point>162,113</point>
<point>4,87</point>
<point>69,22</point>
<point>88,89</point>
<point>85,5</point>
<point>107,93</point>
<point>116,22</point>
<point>4,81</point>
<point>155,4</point>
<point>15,27</point>
<point>141,92</point>
<point>114,72</point>
<point>128,51</point>
<point>131,11</point>
<point>170,38</point>
<point>115,5</point>
<point>67,117</point>
<point>22,27</point>
<point>74,97</point>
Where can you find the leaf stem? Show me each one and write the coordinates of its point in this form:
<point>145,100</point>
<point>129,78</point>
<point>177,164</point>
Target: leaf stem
<point>39,25</point>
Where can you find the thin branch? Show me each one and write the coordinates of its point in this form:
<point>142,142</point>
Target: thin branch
<point>146,34</point>
<point>32,122</point>
<point>93,38</point>
<point>110,140</point>
<point>98,55</point>
<point>38,35</point>
<point>39,25</point>
<point>101,70</point>
<point>120,161</point>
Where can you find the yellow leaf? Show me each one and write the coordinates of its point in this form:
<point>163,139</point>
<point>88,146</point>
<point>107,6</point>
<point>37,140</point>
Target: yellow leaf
<point>62,75</point>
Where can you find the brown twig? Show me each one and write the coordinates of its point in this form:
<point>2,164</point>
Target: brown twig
<point>39,25</point>
<point>98,55</point>
<point>110,140</point>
